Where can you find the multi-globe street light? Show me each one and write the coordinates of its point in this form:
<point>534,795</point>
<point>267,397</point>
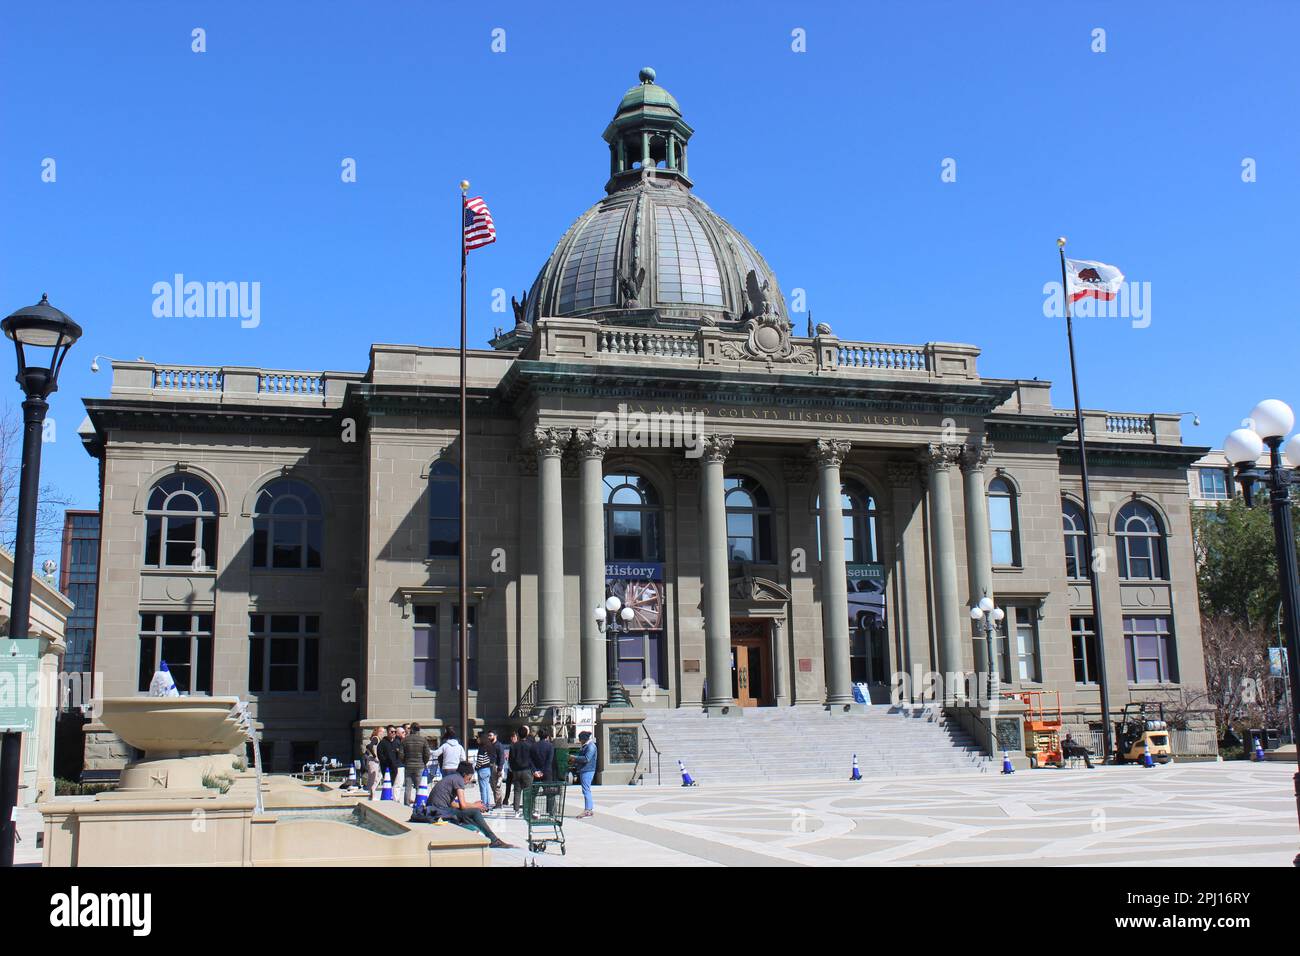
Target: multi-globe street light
<point>38,332</point>
<point>987,615</point>
<point>613,619</point>
<point>1267,426</point>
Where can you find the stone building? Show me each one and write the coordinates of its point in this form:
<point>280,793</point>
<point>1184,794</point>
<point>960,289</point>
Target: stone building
<point>652,427</point>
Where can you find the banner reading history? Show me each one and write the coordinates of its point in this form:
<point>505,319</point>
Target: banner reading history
<point>640,586</point>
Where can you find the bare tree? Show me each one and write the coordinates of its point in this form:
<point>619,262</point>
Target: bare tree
<point>50,502</point>
<point>1238,684</point>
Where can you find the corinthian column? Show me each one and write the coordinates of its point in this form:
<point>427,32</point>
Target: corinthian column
<point>979,555</point>
<point>550,443</point>
<point>717,601</point>
<point>591,447</point>
<point>829,455</point>
<point>948,617</point>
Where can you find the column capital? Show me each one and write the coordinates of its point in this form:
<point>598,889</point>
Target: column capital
<point>829,453</point>
<point>590,443</point>
<point>939,456</point>
<point>550,442</point>
<point>717,447</point>
<point>975,455</point>
<point>901,473</point>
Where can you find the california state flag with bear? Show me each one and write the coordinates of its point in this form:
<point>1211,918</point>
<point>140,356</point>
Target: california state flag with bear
<point>1094,280</point>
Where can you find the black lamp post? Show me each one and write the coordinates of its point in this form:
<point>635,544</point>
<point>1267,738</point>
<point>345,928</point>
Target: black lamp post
<point>39,332</point>
<point>1268,425</point>
<point>613,622</point>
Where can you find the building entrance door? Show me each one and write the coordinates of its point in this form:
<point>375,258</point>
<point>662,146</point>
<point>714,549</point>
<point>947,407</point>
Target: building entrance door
<point>751,662</point>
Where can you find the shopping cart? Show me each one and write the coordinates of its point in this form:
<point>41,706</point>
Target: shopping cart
<point>544,811</point>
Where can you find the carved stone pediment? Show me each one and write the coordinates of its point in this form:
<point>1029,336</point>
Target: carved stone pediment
<point>752,588</point>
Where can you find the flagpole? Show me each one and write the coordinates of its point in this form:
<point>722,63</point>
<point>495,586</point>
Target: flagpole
<point>1103,684</point>
<point>461,631</point>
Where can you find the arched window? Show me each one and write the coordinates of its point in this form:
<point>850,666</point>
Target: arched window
<point>286,525</point>
<point>859,523</point>
<point>1139,542</point>
<point>180,524</point>
<point>633,519</point>
<point>1076,540</point>
<point>1003,531</point>
<point>444,509</point>
<point>749,520</point>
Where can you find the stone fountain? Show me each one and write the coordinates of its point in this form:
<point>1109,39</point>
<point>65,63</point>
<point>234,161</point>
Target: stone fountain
<point>188,801</point>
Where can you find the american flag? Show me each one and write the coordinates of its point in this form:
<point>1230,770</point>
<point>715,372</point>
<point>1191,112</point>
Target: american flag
<point>479,230</point>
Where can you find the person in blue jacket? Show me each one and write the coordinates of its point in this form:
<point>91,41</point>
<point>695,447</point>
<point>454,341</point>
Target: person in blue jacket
<point>584,765</point>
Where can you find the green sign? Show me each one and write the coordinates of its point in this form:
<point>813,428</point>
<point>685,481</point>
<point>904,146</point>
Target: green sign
<point>20,668</point>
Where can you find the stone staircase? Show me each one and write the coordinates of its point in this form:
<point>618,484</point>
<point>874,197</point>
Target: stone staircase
<point>805,743</point>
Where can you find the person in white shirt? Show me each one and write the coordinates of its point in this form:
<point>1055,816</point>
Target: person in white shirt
<point>450,754</point>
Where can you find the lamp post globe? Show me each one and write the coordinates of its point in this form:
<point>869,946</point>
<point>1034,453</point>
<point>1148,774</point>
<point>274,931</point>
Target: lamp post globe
<point>986,604</point>
<point>612,604</point>
<point>976,614</point>
<point>1243,446</point>
<point>42,336</point>
<point>998,615</point>
<point>1273,418</point>
<point>1291,451</point>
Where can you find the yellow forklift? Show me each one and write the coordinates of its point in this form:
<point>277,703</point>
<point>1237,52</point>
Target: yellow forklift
<point>1142,725</point>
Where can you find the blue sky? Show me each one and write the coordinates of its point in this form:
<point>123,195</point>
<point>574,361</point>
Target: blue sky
<point>225,166</point>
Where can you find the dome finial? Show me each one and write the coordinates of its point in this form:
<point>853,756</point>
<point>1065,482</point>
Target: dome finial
<point>647,74</point>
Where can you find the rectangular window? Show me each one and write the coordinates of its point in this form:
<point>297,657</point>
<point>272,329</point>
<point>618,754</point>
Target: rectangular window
<point>1001,530</point>
<point>1083,637</point>
<point>184,641</point>
<point>1214,483</point>
<point>642,656</point>
<point>283,653</point>
<point>1025,622</point>
<point>1148,650</point>
<point>425,655</point>
<point>471,641</point>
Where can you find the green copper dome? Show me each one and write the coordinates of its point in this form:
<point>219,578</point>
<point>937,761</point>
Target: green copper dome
<point>651,252</point>
<point>646,93</point>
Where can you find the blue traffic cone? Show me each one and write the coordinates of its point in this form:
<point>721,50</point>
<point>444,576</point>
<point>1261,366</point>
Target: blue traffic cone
<point>1146,754</point>
<point>856,774</point>
<point>387,792</point>
<point>422,791</point>
<point>686,777</point>
<point>1259,749</point>
<point>1006,764</point>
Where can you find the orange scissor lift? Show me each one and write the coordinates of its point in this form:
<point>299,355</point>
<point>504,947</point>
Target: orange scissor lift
<point>1042,730</point>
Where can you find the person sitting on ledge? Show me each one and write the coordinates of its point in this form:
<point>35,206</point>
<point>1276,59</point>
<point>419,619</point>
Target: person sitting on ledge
<point>449,803</point>
<point>1072,748</point>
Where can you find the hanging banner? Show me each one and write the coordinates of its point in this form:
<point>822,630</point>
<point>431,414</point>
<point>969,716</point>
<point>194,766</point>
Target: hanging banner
<point>640,586</point>
<point>866,595</point>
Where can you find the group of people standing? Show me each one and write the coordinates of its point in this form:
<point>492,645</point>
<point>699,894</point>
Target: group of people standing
<point>404,753</point>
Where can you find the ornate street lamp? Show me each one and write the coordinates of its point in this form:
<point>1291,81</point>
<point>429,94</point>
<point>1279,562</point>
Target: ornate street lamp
<point>39,332</point>
<point>986,615</point>
<point>1267,426</point>
<point>612,622</point>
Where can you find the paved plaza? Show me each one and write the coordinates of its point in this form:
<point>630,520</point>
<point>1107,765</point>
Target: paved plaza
<point>1215,814</point>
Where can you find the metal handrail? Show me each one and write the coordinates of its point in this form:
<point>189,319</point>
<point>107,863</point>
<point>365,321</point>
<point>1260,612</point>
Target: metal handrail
<point>658,768</point>
<point>526,701</point>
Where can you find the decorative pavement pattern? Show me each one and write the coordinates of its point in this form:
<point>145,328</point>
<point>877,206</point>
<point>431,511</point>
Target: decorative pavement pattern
<point>1216,814</point>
